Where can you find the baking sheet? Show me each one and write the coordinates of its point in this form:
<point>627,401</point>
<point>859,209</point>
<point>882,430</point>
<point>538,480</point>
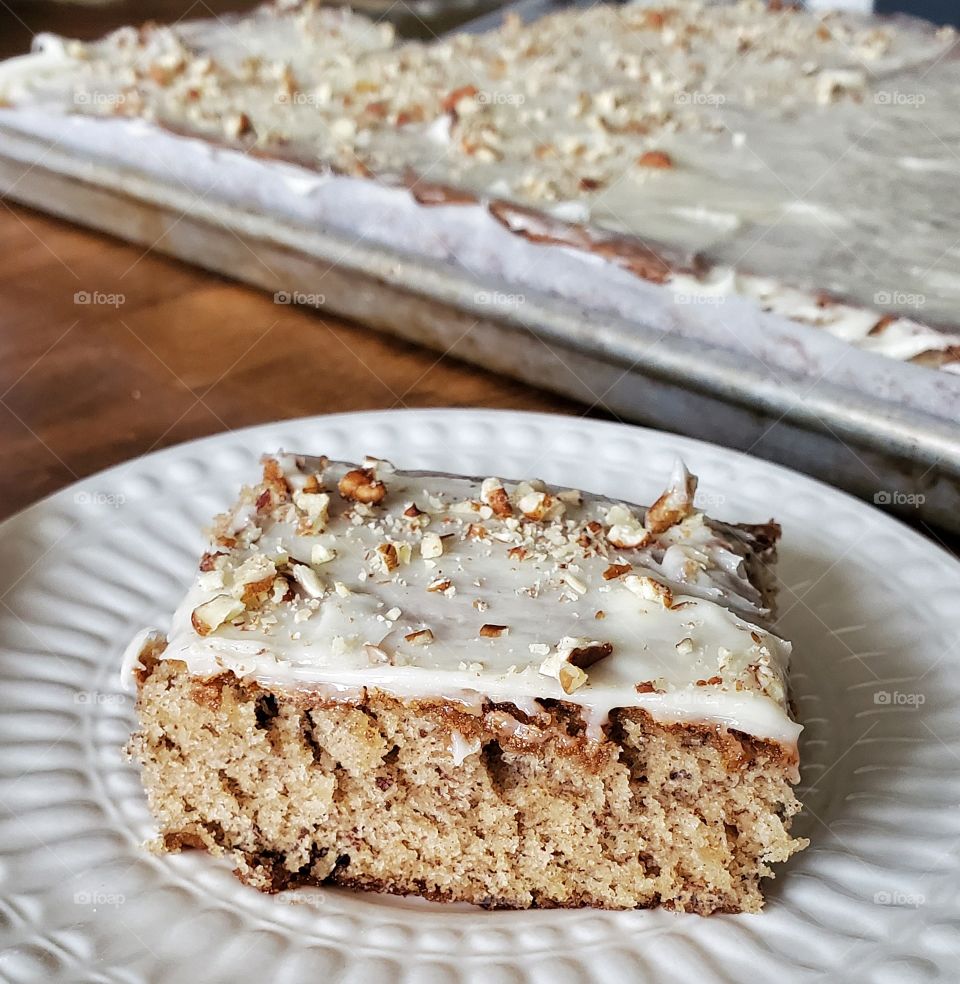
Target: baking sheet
<point>456,280</point>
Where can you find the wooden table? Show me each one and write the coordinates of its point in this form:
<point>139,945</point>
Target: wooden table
<point>180,354</point>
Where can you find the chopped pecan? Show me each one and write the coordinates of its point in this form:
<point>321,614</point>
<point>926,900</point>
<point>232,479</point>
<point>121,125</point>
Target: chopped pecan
<point>255,592</point>
<point>361,485</point>
<point>274,479</point>
<point>388,556</point>
<point>658,159</point>
<point>571,678</point>
<point>584,657</point>
<point>451,99</point>
<point>649,589</point>
<point>489,631</point>
<point>712,682</point>
<point>208,561</point>
<point>499,502</point>
<point>676,503</point>
<point>212,614</point>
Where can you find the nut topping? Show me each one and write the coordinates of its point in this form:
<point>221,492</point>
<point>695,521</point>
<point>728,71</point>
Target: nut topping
<point>571,678</point>
<point>648,687</point>
<point>212,614</point>
<point>540,506</point>
<point>488,631</point>
<point>495,496</point>
<point>626,531</point>
<point>388,556</point>
<point>361,485</point>
<point>649,589</point>
<point>658,159</point>
<point>208,561</point>
<point>676,503</point>
<point>571,658</point>
<point>320,554</point>
<point>307,578</point>
<point>585,656</point>
<point>255,593</point>
<point>714,681</point>
<point>338,580</point>
<point>314,508</point>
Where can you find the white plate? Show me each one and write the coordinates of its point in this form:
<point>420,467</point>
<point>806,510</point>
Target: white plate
<point>873,609</point>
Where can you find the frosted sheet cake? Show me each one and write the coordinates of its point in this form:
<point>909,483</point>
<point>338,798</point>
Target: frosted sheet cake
<point>803,161</point>
<point>485,691</point>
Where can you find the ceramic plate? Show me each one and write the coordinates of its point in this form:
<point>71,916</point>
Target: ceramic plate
<point>873,610</point>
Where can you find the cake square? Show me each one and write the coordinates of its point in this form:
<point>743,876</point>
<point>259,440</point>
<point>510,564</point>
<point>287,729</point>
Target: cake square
<point>485,691</point>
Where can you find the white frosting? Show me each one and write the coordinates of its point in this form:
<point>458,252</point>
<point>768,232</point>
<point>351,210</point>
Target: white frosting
<point>471,605</point>
<point>130,661</point>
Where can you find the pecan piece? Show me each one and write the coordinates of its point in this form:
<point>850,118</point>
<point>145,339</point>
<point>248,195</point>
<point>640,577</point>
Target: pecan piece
<point>658,159</point>
<point>489,631</point>
<point>361,485</point>
<point>584,657</point>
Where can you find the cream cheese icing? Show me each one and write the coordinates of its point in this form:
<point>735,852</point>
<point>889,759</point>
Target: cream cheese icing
<point>456,588</point>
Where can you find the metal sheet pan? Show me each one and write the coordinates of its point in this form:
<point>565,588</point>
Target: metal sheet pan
<point>889,433</point>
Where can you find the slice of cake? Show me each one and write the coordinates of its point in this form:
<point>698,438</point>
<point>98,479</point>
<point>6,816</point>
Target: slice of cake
<point>476,690</point>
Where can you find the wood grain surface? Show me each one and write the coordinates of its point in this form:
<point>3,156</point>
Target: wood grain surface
<point>108,352</point>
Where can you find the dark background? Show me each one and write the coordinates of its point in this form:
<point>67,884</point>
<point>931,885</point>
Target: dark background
<point>937,11</point>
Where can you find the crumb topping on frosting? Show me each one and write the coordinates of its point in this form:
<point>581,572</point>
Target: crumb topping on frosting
<point>365,576</point>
